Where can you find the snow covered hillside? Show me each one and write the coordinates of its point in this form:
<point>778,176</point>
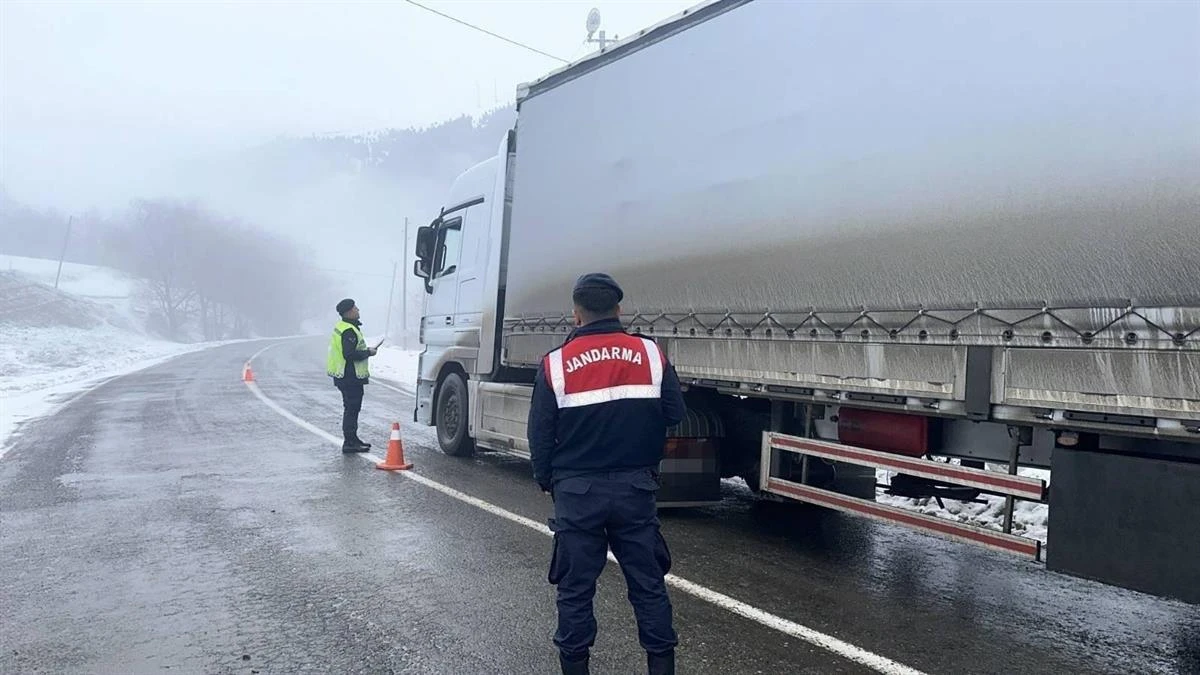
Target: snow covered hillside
<point>54,343</point>
<point>104,286</point>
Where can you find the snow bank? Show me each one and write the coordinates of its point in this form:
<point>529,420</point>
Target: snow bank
<point>27,397</point>
<point>396,366</point>
<point>39,358</point>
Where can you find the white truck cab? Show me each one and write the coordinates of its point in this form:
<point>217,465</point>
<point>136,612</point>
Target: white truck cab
<point>459,258</point>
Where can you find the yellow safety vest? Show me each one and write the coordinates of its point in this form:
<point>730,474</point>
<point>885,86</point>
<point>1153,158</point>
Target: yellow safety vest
<point>336,365</point>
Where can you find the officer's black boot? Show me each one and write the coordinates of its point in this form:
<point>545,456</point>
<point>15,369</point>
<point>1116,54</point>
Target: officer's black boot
<point>579,667</point>
<point>351,444</point>
<point>660,664</point>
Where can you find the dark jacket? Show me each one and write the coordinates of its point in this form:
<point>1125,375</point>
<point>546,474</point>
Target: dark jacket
<point>610,436</point>
<point>352,353</point>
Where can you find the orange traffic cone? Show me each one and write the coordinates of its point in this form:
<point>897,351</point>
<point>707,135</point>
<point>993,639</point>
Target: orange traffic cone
<point>247,373</point>
<point>395,454</point>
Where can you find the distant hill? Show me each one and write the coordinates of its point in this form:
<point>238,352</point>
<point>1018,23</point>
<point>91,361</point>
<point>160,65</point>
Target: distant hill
<point>304,187</point>
<point>435,153</point>
<point>321,188</point>
<point>341,198</point>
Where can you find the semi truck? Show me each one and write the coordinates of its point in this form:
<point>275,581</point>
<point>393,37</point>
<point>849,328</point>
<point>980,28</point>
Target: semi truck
<point>926,238</point>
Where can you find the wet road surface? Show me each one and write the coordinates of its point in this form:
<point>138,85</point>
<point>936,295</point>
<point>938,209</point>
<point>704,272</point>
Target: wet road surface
<point>170,521</point>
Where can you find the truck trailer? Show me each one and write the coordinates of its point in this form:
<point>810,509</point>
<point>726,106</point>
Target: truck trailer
<point>921,237</point>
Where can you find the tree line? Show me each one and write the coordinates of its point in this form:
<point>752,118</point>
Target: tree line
<point>203,275</point>
<point>212,274</point>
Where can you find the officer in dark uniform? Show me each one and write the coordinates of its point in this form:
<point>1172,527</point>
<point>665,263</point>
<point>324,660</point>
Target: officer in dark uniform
<point>347,365</point>
<point>597,426</point>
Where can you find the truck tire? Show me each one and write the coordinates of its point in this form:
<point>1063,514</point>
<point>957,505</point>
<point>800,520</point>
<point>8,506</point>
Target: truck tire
<point>451,411</point>
<point>742,445</point>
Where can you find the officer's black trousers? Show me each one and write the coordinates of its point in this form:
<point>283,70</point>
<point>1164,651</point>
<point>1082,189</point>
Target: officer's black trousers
<point>591,514</point>
<point>352,398</point>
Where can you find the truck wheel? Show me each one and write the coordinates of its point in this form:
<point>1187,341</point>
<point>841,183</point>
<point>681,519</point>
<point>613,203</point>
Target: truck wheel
<point>452,417</point>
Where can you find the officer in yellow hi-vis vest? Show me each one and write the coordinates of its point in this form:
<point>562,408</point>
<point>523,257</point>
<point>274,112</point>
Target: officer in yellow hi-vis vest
<point>348,354</point>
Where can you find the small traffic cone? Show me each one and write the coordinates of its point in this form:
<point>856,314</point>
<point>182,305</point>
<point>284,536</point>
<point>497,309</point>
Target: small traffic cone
<point>395,454</point>
<point>247,373</point>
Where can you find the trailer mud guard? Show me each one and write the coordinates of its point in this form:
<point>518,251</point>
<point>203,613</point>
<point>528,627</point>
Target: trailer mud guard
<point>1127,521</point>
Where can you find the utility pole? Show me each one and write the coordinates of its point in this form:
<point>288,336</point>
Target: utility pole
<point>63,254</point>
<point>404,292</point>
<point>387,324</point>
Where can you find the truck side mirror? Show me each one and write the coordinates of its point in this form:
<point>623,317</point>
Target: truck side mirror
<point>423,265</point>
<point>426,236</point>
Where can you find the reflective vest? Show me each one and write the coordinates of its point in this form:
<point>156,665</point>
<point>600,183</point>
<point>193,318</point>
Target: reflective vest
<point>336,363</point>
<point>607,367</point>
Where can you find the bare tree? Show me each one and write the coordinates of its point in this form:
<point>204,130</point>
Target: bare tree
<point>153,245</point>
<point>214,276</point>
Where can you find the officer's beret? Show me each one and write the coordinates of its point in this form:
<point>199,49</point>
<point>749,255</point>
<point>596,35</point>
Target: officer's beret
<point>599,280</point>
<point>345,306</point>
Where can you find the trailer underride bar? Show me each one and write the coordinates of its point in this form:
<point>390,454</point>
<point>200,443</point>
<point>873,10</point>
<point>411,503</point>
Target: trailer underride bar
<point>1015,486</point>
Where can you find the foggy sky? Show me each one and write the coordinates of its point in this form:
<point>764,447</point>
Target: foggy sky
<point>97,97</point>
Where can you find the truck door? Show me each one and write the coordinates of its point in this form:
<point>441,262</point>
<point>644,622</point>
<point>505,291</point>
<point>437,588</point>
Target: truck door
<point>441,306</point>
<point>471,262</point>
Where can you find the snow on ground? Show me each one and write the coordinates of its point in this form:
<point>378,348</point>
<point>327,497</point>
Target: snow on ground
<point>57,343</point>
<point>25,398</point>
<point>1029,518</point>
<point>43,357</point>
<point>396,366</point>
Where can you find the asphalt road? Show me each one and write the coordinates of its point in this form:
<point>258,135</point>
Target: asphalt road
<point>171,521</point>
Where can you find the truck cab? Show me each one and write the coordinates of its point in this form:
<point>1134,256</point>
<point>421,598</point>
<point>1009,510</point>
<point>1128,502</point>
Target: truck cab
<point>459,259</point>
<point>465,389</point>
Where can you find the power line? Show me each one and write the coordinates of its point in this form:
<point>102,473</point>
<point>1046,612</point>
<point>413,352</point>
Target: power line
<point>485,31</point>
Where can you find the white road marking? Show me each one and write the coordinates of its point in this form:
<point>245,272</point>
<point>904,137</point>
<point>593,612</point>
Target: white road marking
<point>261,352</point>
<point>829,643</point>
